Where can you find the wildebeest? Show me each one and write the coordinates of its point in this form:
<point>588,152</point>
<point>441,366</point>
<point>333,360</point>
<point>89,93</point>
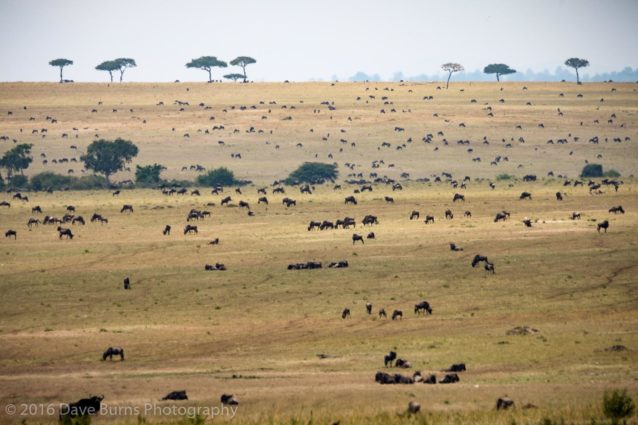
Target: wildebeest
<point>214,242</point>
<point>214,267</point>
<point>370,219</point>
<point>369,308</point>
<point>575,216</point>
<point>345,313</point>
<point>527,222</point>
<point>526,195</point>
<point>489,267</point>
<point>289,202</point>
<point>10,233</point>
<point>389,199</point>
<point>226,200</point>
<point>116,193</point>
<point>5,204</point>
<point>504,403</point>
<point>397,314</point>
<point>97,217</point>
<point>370,235</point>
<point>127,208</point>
<point>65,232</point>
<point>263,199</point>
<point>82,407</point>
<point>351,200</point>
<point>113,351</point>
<point>356,237</point>
<point>314,225</point>
<point>338,264</point>
<point>467,214</point>
<point>501,216</point>
<point>429,219</point>
<point>477,259</point>
<point>79,219</point>
<point>70,208</point>
<point>389,358</point>
<point>229,399</point>
<point>36,209</point>
<point>414,215</point>
<point>414,407</point>
<point>559,196</point>
<point>33,222</point>
<point>458,197</point>
<point>604,225</point>
<point>190,228</point>
<point>167,230</point>
<point>449,215</point>
<point>382,313</point>
<point>616,210</point>
<point>244,204</point>
<point>422,307</point>
<point>450,378</point>
<point>454,247</point>
<point>430,379</point>
<point>457,367</point>
<point>176,395</point>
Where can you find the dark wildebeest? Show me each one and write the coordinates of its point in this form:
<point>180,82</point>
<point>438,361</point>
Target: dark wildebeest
<point>5,204</point>
<point>289,202</point>
<point>370,235</point>
<point>65,232</point>
<point>82,407</point>
<point>489,267</point>
<point>389,199</point>
<point>422,307</point>
<point>244,204</point>
<point>229,399</point>
<point>526,195</point>
<point>453,247</point>
<point>351,200</point>
<point>78,219</point>
<point>113,351</point>
<point>604,225</point>
<point>36,209</point>
<point>343,264</point>
<point>10,233</point>
<point>190,228</point>
<point>414,215</point>
<point>501,216</point>
<point>356,237</point>
<point>467,214</point>
<point>369,308</point>
<point>429,219</point>
<point>450,378</point>
<point>97,217</point>
<point>458,197</point>
<point>527,222</point>
<point>504,403</point>
<point>382,313</point>
<point>449,215</point>
<point>127,283</point>
<point>214,242</point>
<point>127,208</point>
<point>559,196</point>
<point>575,216</point>
<point>214,267</point>
<point>70,208</point>
<point>457,367</point>
<point>402,363</point>
<point>397,314</point>
<point>314,225</point>
<point>116,193</point>
<point>431,379</point>
<point>176,395</point>
<point>167,230</point>
<point>226,200</point>
<point>326,225</point>
<point>389,358</point>
<point>263,199</point>
<point>345,313</point>
<point>370,219</point>
<point>616,210</point>
<point>477,259</point>
<point>33,221</point>
<point>384,378</point>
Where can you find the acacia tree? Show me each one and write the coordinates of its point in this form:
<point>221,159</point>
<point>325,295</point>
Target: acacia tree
<point>243,62</point>
<point>451,68</point>
<point>207,63</point>
<point>61,63</point>
<point>108,66</point>
<point>235,77</point>
<point>123,64</point>
<point>106,157</point>
<point>17,159</point>
<point>499,69</point>
<point>577,63</point>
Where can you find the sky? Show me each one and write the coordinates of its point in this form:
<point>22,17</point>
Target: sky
<point>300,40</point>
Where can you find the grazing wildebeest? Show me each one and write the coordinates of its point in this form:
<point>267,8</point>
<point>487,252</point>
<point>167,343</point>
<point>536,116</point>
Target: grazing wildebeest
<point>414,215</point>
<point>431,379</point>
<point>10,233</point>
<point>345,313</point>
<point>450,378</point>
<point>326,225</point>
<point>467,214</point>
<point>65,232</point>
<point>78,219</point>
<point>453,247</point>
<point>604,225</point>
<point>422,307</point>
<point>449,215</point>
<point>389,358</point>
<point>559,196</point>
<point>229,399</point>
<point>402,363</point>
<point>289,202</point>
<point>575,216</point>
<point>369,308</point>
<point>5,204</point>
<point>113,351</point>
<point>351,200</point>
<point>413,407</point>
<point>214,267</point>
<point>33,221</point>
<point>501,216</point>
<point>314,224</point>
<point>82,407</point>
<point>116,193</point>
<point>384,378</point>
<point>70,208</point>
<point>370,219</point>
<point>167,230</point>
<point>616,210</point>
<point>389,199</point>
<point>527,222</point>
<point>244,204</point>
<point>263,199</point>
<point>214,242</point>
<point>127,208</point>
<point>343,264</point>
<point>370,235</point>
<point>526,195</point>
<point>489,267</point>
<point>176,395</point>
<point>457,367</point>
<point>477,259</point>
<point>458,197</point>
<point>397,314</point>
<point>504,403</point>
<point>36,209</point>
<point>429,219</point>
<point>97,217</point>
<point>382,313</point>
<point>226,200</point>
<point>190,228</point>
<point>356,237</point>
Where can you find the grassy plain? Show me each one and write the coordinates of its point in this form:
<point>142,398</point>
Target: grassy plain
<point>255,330</point>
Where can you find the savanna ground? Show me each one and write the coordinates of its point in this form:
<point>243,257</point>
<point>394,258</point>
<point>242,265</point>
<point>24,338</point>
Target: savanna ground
<point>255,330</point>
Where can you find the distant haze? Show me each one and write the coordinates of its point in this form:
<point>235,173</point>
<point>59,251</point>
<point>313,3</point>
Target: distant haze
<point>302,40</point>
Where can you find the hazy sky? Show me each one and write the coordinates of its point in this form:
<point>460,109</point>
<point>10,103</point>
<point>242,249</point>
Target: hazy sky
<point>302,40</point>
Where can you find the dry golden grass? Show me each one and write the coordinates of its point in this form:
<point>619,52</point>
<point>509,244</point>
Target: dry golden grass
<point>62,303</point>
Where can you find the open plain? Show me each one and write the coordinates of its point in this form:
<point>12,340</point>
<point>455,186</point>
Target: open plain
<point>275,337</point>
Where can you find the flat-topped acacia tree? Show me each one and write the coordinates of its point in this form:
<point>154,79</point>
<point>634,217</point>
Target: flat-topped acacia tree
<point>577,63</point>
<point>243,62</point>
<point>207,63</point>
<point>451,68</point>
<point>61,63</point>
<point>499,69</point>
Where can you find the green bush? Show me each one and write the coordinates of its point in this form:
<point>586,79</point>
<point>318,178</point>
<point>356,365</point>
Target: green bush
<point>48,180</point>
<point>592,170</point>
<point>504,177</point>
<point>313,173</point>
<point>611,173</point>
<point>218,177</point>
<point>618,405</point>
<point>1,183</point>
<point>18,181</point>
<point>149,175</point>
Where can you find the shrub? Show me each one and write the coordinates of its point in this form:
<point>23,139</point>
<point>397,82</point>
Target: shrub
<point>218,177</point>
<point>18,181</point>
<point>149,175</point>
<point>592,170</point>
<point>48,180</point>
<point>313,173</point>
<point>611,173</point>
<point>1,183</point>
<point>618,405</point>
<point>504,177</point>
